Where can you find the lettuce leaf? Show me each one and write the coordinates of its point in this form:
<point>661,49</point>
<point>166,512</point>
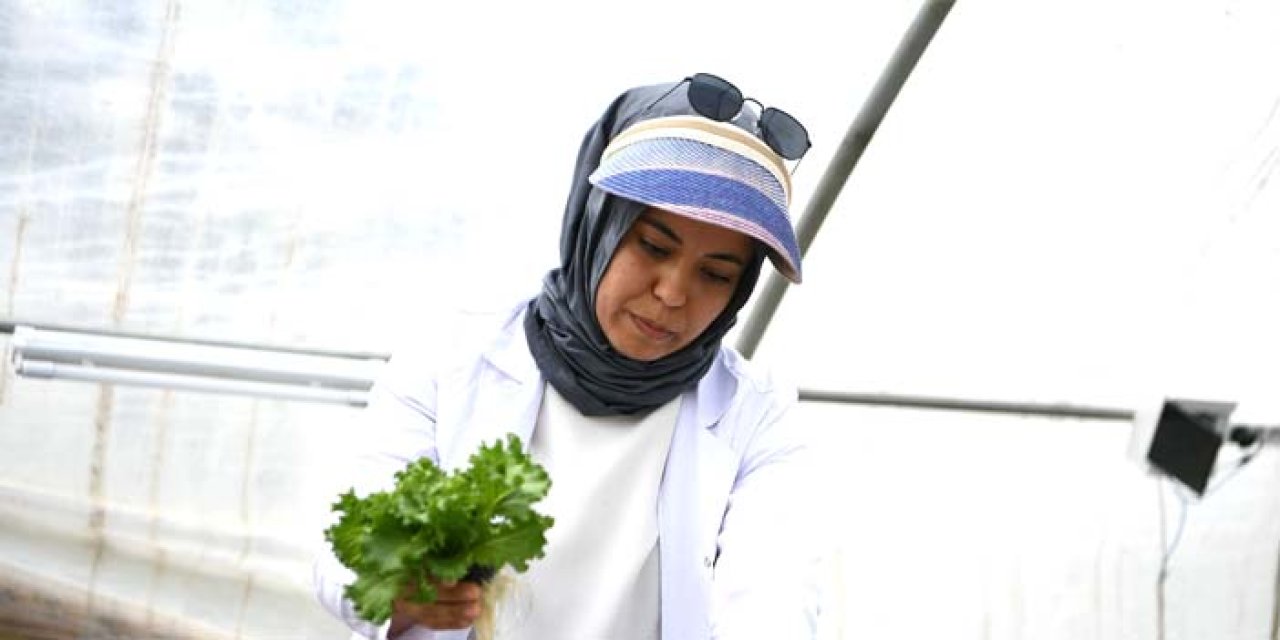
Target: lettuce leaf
<point>441,525</point>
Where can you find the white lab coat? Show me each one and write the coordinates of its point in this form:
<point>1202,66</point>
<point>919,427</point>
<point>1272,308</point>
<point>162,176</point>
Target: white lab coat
<point>738,518</point>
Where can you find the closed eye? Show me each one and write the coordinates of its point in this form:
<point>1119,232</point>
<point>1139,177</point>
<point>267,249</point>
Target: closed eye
<point>653,249</point>
<point>717,277</point>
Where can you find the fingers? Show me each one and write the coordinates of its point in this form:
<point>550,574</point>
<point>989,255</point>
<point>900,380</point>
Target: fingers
<point>457,606</point>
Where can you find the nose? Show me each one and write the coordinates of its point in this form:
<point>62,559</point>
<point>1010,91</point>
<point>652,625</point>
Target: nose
<point>671,287</point>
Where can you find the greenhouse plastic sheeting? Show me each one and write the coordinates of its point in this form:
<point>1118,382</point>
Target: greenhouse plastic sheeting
<point>1068,203</point>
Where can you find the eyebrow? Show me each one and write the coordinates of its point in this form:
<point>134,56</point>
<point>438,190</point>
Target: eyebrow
<point>668,232</point>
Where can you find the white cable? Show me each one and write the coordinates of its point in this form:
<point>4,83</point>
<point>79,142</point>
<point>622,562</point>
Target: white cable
<point>1177,536</point>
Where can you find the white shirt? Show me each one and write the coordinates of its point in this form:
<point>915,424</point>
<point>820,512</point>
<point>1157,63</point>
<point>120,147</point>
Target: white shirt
<point>600,576</point>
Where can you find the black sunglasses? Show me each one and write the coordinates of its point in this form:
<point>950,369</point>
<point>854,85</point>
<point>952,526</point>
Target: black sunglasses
<point>716,98</point>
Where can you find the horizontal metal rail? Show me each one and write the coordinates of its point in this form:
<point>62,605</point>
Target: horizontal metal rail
<point>8,326</point>
<point>956,404</point>
<point>356,397</point>
<point>252,388</point>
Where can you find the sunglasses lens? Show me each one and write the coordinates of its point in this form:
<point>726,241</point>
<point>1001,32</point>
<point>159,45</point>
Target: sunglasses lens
<point>784,134</point>
<point>714,97</point>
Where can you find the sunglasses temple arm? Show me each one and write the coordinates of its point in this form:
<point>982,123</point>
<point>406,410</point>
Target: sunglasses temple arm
<point>664,96</point>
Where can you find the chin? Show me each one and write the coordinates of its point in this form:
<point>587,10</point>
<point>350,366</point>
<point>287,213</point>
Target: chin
<point>651,353</point>
<point>644,356</point>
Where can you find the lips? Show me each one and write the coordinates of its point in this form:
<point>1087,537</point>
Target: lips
<point>651,330</point>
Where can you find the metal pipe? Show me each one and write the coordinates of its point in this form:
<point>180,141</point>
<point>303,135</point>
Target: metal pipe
<point>11,326</point>
<point>955,404</point>
<point>180,358</point>
<point>856,139</point>
<point>61,371</point>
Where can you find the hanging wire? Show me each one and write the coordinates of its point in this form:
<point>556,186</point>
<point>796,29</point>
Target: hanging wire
<point>1183,501</point>
<point>1183,506</point>
<point>1169,549</point>
<point>1177,534</point>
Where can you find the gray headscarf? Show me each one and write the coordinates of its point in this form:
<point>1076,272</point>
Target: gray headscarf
<point>564,335</point>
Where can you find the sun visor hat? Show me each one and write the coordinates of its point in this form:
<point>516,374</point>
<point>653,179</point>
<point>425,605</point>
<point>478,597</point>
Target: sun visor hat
<point>709,171</point>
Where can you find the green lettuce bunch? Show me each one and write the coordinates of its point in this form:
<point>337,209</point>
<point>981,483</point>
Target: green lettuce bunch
<point>446,526</point>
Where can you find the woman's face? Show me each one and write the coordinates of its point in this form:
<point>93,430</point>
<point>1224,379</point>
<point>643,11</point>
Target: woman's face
<point>669,278</point>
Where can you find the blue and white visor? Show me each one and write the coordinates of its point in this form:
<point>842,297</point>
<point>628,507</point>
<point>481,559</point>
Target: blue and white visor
<point>708,171</point>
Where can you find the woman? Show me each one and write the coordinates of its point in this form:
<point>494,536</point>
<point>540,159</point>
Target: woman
<point>679,490</point>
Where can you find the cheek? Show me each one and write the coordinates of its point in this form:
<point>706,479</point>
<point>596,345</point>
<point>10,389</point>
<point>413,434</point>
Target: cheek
<point>709,308</point>
<point>603,303</point>
<point>611,292</point>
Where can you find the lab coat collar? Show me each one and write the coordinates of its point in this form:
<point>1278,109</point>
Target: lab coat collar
<point>510,354</point>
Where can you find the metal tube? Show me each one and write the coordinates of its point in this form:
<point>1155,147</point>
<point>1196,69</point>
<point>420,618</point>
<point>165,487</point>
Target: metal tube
<point>955,404</point>
<point>856,139</point>
<point>180,358</point>
<point>8,326</point>
<point>61,371</point>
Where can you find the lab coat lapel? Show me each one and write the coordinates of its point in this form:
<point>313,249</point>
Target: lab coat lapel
<point>696,483</point>
<point>500,394</point>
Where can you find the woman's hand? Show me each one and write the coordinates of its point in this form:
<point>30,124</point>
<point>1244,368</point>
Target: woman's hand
<point>457,606</point>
